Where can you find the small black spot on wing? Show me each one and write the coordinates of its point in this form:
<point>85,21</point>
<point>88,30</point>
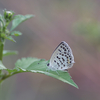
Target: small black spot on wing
<point>58,57</point>
<point>68,50</point>
<point>60,61</point>
<point>64,48</point>
<point>58,64</point>
<point>66,56</point>
<point>64,52</point>
<point>67,53</point>
<point>63,59</point>
<point>63,44</point>
<point>59,53</point>
<point>59,50</point>
<point>54,60</point>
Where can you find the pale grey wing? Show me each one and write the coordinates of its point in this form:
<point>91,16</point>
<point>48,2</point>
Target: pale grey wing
<point>69,51</point>
<point>62,58</point>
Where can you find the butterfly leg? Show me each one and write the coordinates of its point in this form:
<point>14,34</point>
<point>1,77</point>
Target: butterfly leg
<point>57,72</point>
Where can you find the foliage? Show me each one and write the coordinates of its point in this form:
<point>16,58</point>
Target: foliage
<point>25,64</point>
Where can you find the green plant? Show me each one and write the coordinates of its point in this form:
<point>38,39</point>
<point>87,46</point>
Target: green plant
<point>25,64</point>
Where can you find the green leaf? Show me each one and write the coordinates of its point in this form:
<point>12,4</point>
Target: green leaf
<point>19,19</point>
<point>7,37</point>
<point>40,66</point>
<point>16,33</point>
<point>2,66</point>
<point>9,52</point>
<point>10,38</point>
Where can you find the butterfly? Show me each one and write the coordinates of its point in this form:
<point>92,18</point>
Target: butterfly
<point>62,58</point>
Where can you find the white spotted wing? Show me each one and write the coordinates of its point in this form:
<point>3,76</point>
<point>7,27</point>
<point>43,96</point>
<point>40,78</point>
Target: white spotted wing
<point>62,58</point>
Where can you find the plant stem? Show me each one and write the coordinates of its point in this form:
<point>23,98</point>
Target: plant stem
<point>4,77</point>
<point>1,50</point>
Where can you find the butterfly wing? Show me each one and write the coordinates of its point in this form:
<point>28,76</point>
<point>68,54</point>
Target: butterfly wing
<point>62,57</point>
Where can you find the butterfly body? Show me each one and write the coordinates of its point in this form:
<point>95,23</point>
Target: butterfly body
<point>62,58</point>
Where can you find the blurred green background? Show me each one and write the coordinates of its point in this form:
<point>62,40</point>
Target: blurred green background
<point>75,21</point>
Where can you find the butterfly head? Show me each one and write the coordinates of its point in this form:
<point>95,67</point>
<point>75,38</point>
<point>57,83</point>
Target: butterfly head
<point>50,67</point>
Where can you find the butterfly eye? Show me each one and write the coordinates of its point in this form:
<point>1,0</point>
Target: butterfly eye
<point>48,64</point>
